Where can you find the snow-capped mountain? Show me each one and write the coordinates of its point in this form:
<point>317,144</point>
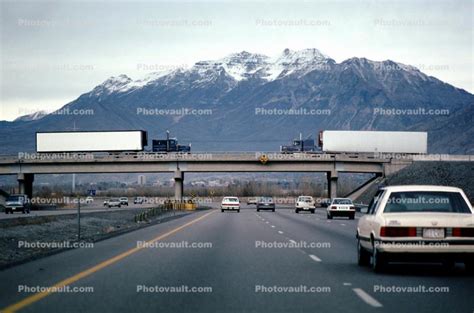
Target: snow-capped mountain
<point>31,117</point>
<point>235,87</point>
<point>236,66</point>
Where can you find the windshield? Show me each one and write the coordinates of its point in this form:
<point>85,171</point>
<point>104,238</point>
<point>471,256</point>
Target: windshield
<point>342,201</point>
<point>14,198</point>
<point>426,201</point>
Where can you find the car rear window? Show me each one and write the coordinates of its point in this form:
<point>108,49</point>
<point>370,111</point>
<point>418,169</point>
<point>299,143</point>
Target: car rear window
<point>426,201</point>
<point>342,201</point>
<point>231,199</point>
<point>266,200</point>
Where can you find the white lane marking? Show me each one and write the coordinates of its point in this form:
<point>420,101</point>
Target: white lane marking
<point>315,258</point>
<point>267,222</point>
<point>343,224</point>
<point>347,284</point>
<point>273,226</point>
<point>328,221</point>
<point>292,241</point>
<point>280,232</point>
<point>367,298</point>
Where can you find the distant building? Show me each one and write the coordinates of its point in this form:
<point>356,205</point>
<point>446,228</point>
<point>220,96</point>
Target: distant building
<point>141,180</point>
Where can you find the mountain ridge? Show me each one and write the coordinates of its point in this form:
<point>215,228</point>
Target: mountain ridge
<point>235,86</point>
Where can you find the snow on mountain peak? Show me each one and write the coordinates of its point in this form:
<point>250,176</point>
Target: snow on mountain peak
<point>238,66</point>
<point>32,117</point>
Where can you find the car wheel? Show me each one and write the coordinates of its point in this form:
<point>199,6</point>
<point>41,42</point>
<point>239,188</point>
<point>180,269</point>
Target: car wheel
<point>109,206</point>
<point>313,211</point>
<point>363,256</point>
<point>258,210</point>
<point>469,265</point>
<point>297,211</point>
<point>273,210</point>
<point>379,260</point>
<point>329,216</point>
<point>222,210</point>
<point>351,217</point>
<point>238,211</point>
<point>448,265</point>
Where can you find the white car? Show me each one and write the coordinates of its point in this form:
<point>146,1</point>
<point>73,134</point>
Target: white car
<point>89,199</point>
<point>341,207</point>
<point>230,204</point>
<point>305,203</point>
<point>114,202</point>
<point>417,223</point>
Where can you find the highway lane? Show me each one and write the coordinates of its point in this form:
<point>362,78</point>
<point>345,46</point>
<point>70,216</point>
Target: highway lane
<point>234,268</point>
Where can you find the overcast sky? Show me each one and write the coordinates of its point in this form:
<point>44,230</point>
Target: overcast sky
<point>51,52</point>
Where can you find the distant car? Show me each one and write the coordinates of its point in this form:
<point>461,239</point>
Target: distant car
<point>265,203</point>
<point>230,204</point>
<point>417,223</point>
<point>18,202</point>
<point>325,203</point>
<point>114,202</point>
<point>89,199</point>
<point>252,200</point>
<point>305,203</point>
<point>124,201</point>
<point>138,200</point>
<point>341,207</point>
<point>106,202</point>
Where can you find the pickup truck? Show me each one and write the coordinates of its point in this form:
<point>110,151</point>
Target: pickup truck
<point>17,202</point>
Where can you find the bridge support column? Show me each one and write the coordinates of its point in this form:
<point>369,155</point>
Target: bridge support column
<point>25,184</point>
<point>178,185</point>
<point>332,184</point>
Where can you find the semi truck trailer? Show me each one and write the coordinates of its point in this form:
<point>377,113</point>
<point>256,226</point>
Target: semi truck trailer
<point>338,141</point>
<point>91,141</point>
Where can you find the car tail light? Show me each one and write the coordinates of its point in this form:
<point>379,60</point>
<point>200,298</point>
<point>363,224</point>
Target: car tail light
<point>463,232</point>
<point>398,232</point>
<point>334,208</point>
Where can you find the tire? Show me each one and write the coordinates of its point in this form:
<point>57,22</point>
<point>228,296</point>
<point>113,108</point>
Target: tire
<point>363,256</point>
<point>312,211</point>
<point>448,265</point>
<point>273,210</point>
<point>297,211</point>
<point>258,210</point>
<point>379,260</point>
<point>238,211</point>
<point>222,210</point>
<point>329,216</point>
<point>351,217</point>
<point>469,265</point>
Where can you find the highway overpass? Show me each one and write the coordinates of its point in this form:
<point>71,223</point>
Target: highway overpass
<point>25,166</point>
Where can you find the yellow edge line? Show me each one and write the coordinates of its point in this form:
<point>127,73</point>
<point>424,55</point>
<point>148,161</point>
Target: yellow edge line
<point>68,281</point>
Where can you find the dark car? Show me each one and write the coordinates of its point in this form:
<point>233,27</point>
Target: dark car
<point>265,203</point>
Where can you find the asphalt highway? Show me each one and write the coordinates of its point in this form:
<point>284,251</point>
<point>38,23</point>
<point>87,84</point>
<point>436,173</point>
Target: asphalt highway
<point>232,262</point>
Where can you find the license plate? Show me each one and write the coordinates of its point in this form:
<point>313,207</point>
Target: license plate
<point>435,233</point>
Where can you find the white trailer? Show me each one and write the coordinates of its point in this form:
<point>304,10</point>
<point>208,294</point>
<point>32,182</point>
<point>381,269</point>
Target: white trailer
<point>373,141</point>
<point>91,141</point>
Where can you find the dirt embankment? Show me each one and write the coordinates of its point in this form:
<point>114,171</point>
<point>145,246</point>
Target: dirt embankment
<point>24,239</point>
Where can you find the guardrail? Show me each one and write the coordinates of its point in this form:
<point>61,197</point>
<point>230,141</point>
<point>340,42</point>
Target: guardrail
<point>168,206</point>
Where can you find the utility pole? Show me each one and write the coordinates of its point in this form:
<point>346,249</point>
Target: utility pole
<point>74,174</point>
